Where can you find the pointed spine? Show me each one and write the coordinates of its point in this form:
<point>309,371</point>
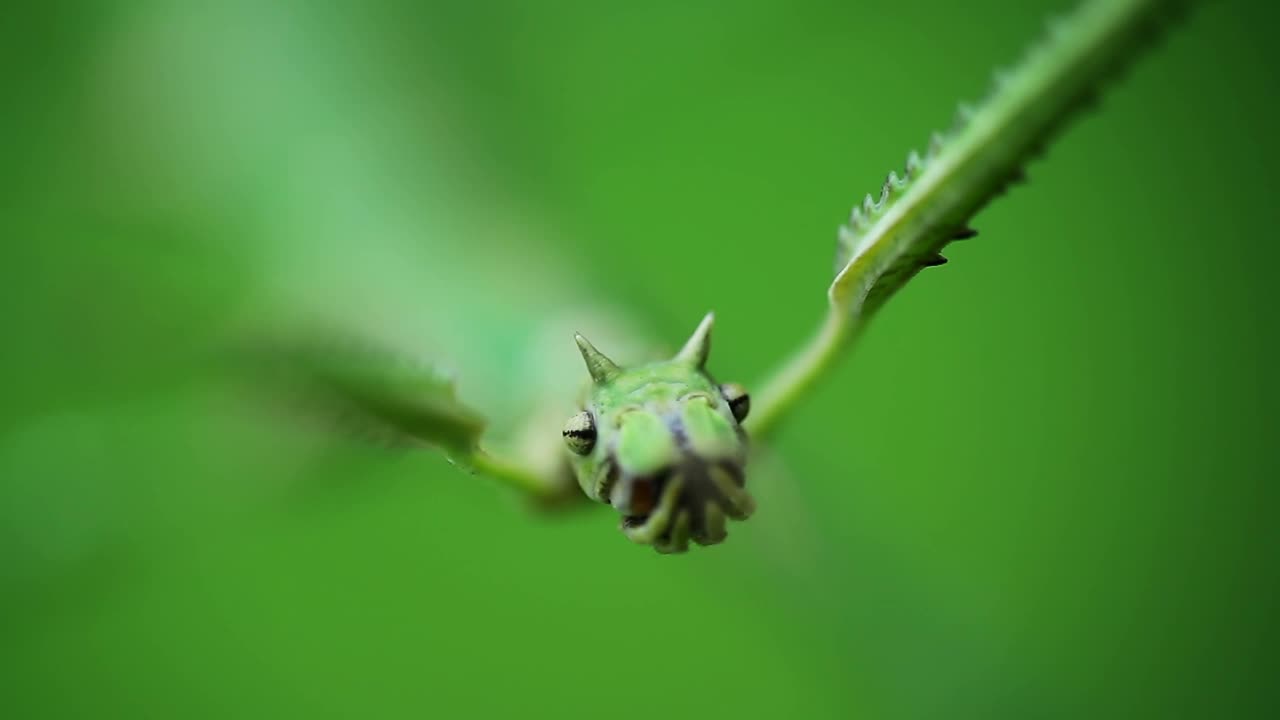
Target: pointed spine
<point>601,368</point>
<point>697,348</point>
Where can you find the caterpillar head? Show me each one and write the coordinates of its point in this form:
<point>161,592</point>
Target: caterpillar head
<point>663,444</point>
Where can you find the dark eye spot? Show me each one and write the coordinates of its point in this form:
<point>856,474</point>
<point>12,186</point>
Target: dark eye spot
<point>580,433</point>
<point>738,399</point>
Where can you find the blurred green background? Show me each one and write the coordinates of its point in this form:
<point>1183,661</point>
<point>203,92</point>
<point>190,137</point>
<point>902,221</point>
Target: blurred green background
<point>1054,500</point>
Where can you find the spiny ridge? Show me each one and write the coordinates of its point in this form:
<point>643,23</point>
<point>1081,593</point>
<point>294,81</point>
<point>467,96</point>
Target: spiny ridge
<point>854,236</point>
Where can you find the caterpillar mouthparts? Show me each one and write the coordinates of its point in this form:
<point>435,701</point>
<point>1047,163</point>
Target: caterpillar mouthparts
<point>690,501</point>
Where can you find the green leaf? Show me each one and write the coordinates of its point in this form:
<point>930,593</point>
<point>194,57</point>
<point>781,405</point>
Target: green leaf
<point>369,392</point>
<point>891,237</point>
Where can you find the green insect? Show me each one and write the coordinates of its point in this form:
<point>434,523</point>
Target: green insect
<point>664,441</point>
<point>663,444</point>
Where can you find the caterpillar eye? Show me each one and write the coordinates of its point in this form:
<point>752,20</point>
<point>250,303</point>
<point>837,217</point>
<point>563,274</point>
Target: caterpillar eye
<point>580,433</point>
<point>738,399</point>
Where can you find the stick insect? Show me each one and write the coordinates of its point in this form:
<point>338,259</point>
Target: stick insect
<point>664,441</point>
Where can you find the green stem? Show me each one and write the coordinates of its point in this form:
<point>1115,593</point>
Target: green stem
<point>889,240</point>
<point>515,475</point>
<point>799,373</point>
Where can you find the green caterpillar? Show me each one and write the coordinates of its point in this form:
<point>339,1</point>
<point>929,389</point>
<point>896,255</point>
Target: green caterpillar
<point>664,442</point>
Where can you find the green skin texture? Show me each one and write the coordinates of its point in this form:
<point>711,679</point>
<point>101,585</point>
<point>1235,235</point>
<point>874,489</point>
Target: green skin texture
<point>668,452</point>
